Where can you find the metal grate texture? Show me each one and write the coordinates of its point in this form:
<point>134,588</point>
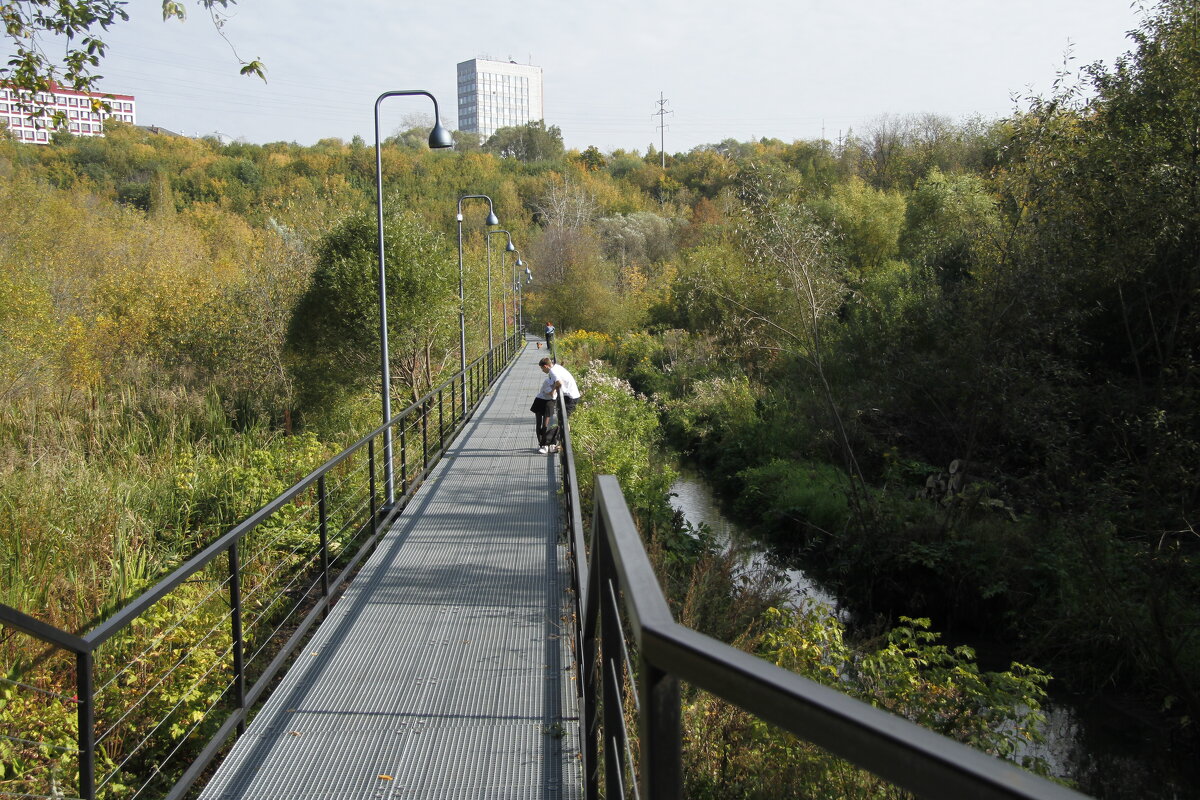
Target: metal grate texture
<point>444,671</point>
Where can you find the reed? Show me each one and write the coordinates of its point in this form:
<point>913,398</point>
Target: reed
<point>101,494</point>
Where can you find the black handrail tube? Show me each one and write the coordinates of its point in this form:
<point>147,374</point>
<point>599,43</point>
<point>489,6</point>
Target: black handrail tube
<point>40,630</point>
<point>638,581</point>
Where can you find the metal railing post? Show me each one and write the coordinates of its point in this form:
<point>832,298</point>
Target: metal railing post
<point>371,482</point>
<point>661,734</point>
<point>611,667</point>
<point>86,713</point>
<point>589,720</point>
<point>404,458</point>
<point>442,419</point>
<point>239,642</point>
<point>323,524</point>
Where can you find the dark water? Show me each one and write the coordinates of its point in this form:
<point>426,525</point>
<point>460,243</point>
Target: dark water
<point>695,499</point>
<point>1108,750</point>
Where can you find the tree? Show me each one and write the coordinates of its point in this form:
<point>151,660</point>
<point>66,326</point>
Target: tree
<point>466,141</point>
<point>869,221</point>
<point>334,333</point>
<point>532,141</point>
<point>590,159</point>
<point>566,205</point>
<point>31,69</point>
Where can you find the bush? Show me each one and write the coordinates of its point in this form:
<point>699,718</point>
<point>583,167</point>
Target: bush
<point>809,494</point>
<point>730,754</point>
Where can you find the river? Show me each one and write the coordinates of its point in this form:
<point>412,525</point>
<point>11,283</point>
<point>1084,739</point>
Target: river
<point>1107,750</point>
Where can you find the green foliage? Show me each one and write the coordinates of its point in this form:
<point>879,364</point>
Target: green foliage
<point>616,432</point>
<point>869,221</point>
<point>532,141</point>
<point>950,220</point>
<point>717,422</point>
<point>334,334</point>
<point>810,495</point>
<point>830,325</point>
<point>728,753</point>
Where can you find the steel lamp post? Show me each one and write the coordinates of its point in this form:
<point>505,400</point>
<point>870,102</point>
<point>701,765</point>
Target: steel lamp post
<point>528,280</point>
<point>439,137</point>
<point>491,221</point>
<point>504,294</point>
<point>516,288</point>
<point>509,248</point>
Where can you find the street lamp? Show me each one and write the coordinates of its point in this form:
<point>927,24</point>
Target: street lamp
<point>508,248</point>
<point>503,291</point>
<point>528,279</point>
<point>462,306</point>
<point>439,137</point>
<point>516,288</point>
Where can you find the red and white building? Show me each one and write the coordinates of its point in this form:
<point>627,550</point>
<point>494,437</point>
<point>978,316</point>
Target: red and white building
<point>82,120</point>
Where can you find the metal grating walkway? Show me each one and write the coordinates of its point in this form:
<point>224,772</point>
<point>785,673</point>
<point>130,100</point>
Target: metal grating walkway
<point>444,670</point>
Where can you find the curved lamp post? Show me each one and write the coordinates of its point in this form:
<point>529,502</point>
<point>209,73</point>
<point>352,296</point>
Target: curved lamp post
<point>516,288</point>
<point>462,306</point>
<point>504,293</point>
<point>528,279</point>
<point>509,248</point>
<point>439,137</point>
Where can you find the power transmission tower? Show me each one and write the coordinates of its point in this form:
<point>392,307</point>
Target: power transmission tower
<point>662,127</point>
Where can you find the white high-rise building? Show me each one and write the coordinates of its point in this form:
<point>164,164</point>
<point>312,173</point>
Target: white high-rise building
<point>497,94</point>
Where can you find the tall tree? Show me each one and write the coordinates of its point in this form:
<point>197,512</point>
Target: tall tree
<point>532,141</point>
<point>334,334</point>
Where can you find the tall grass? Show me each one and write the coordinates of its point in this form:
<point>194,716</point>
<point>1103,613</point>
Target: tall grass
<point>101,494</point>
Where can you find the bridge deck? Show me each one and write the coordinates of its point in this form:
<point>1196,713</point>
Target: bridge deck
<point>443,672</point>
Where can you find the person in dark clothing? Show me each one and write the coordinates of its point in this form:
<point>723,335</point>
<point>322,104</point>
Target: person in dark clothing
<point>544,408</point>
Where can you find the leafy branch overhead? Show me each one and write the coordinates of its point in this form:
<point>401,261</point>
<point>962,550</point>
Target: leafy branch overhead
<point>78,25</point>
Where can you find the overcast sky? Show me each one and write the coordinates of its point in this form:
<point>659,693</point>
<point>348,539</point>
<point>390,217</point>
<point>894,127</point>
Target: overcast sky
<point>742,69</point>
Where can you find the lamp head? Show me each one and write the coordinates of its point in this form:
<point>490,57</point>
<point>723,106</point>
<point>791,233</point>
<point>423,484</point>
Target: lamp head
<point>511,248</point>
<point>439,137</point>
<point>492,219</point>
<point>520,263</point>
<point>528,276</point>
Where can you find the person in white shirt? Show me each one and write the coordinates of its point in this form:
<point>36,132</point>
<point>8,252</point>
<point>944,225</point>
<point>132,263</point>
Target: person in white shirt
<point>543,410</point>
<point>561,380</point>
<point>558,379</point>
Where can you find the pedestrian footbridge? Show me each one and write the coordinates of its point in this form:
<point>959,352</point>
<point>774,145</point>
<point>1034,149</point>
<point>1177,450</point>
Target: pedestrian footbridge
<point>424,616</point>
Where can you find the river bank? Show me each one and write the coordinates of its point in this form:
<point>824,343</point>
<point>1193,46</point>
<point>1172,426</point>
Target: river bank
<point>1108,747</point>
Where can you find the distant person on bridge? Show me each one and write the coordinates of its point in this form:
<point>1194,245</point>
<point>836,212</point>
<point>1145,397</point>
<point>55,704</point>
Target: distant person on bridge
<point>549,335</point>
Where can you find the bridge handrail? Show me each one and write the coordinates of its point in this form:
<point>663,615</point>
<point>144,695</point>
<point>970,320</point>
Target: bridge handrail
<point>919,760</point>
<point>121,618</point>
<point>474,381</point>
